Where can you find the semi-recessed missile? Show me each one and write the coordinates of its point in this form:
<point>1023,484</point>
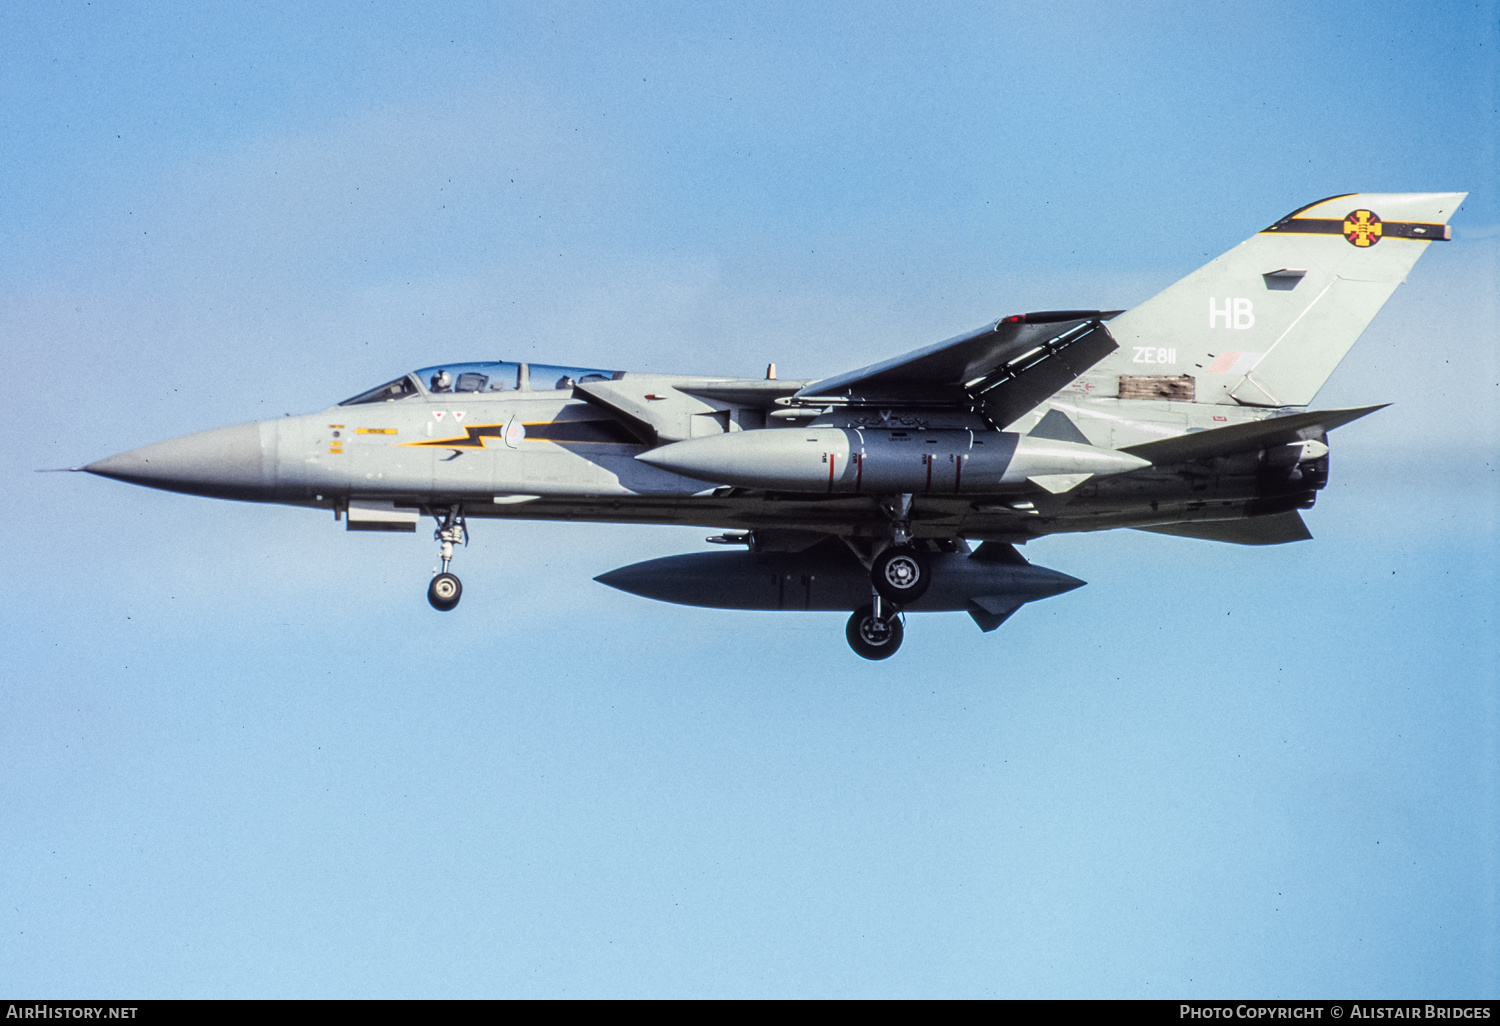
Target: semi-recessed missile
<point>989,584</point>
<point>830,459</point>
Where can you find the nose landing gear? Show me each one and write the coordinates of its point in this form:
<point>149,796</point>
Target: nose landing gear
<point>446,589</point>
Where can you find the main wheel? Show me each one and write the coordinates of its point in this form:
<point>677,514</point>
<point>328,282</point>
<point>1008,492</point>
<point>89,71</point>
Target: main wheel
<point>872,638</point>
<point>901,575</point>
<point>444,592</point>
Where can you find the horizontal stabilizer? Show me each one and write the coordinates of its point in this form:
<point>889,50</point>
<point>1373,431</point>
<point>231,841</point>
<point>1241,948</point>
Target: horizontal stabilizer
<point>1260,434</point>
<point>1272,530</point>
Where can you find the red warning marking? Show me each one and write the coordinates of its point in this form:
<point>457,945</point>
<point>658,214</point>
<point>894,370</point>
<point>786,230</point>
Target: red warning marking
<point>458,414</point>
<point>438,414</point>
<point>832,459</point>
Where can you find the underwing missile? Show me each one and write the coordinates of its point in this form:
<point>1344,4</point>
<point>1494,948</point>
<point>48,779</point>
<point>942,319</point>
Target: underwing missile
<point>989,584</point>
<point>876,461</point>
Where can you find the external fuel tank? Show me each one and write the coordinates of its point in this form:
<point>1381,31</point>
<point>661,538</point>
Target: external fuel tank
<point>885,461</point>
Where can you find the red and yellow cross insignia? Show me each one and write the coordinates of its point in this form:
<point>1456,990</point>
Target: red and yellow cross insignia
<point>1362,228</point>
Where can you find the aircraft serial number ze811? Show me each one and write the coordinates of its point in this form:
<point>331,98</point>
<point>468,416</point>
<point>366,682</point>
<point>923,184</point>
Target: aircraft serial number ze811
<point>864,491</point>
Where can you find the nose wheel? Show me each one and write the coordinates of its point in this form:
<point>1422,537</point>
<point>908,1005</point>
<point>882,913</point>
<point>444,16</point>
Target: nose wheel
<point>446,589</point>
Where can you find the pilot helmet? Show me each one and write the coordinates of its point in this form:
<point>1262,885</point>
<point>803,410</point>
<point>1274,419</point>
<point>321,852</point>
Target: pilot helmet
<point>442,379</point>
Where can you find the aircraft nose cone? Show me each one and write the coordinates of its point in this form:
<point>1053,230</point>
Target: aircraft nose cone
<point>226,463</point>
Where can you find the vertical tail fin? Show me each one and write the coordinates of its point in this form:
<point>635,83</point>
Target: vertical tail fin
<point>1266,323</point>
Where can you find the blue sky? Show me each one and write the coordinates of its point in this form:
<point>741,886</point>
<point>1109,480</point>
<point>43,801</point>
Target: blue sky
<point>239,755</point>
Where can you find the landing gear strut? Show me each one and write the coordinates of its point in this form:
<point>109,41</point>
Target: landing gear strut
<point>446,589</point>
<point>900,574</point>
<point>874,631</point>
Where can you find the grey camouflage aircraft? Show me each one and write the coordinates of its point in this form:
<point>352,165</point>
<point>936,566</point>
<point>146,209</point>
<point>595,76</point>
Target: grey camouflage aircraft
<point>1187,415</point>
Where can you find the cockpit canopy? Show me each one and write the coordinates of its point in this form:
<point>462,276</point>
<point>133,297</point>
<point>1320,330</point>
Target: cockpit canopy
<point>488,377</point>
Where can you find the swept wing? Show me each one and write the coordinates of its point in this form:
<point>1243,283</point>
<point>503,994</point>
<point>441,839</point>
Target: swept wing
<point>1003,370</point>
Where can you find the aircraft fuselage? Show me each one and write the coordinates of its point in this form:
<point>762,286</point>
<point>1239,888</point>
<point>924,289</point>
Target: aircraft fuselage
<point>547,455</point>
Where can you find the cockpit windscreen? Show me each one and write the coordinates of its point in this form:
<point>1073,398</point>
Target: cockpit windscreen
<point>401,388</point>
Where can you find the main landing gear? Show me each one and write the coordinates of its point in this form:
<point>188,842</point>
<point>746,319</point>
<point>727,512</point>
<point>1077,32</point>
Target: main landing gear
<point>899,575</point>
<point>446,589</point>
<point>875,631</point>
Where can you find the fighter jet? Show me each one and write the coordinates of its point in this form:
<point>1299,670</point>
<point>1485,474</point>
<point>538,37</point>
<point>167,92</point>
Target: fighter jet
<point>903,486</point>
